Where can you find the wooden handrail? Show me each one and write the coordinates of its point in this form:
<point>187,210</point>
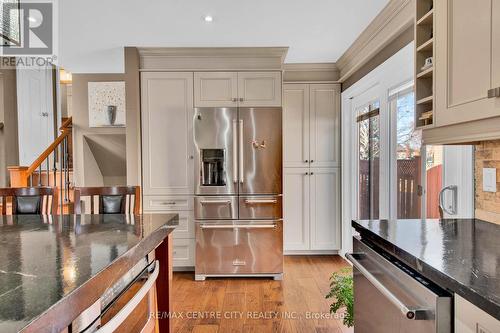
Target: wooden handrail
<point>35,165</point>
<point>65,131</point>
<point>67,124</point>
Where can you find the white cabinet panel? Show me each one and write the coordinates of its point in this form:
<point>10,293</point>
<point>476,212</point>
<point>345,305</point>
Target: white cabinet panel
<point>324,125</point>
<point>183,252</point>
<point>471,319</point>
<point>325,209</point>
<point>296,125</point>
<point>259,89</point>
<point>167,112</point>
<point>296,209</point>
<point>185,229</point>
<point>215,89</point>
<point>466,60</point>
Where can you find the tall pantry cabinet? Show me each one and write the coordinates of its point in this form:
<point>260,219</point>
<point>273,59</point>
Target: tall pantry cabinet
<point>167,154</point>
<point>311,160</point>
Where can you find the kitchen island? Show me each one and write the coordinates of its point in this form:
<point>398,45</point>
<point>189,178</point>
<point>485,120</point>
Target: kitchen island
<point>53,268</point>
<point>462,256</point>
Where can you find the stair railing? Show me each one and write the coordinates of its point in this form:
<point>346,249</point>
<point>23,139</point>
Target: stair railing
<point>53,159</point>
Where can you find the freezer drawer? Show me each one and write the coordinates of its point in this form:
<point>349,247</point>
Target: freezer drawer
<point>239,247</point>
<point>216,208</point>
<point>261,207</point>
<point>388,297</point>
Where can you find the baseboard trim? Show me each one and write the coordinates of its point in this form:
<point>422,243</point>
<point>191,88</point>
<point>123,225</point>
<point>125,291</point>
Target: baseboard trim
<point>183,269</point>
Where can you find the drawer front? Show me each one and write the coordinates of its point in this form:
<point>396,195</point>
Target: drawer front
<point>261,207</point>
<point>168,203</point>
<point>216,208</point>
<point>185,230</point>
<point>183,252</point>
<point>242,247</point>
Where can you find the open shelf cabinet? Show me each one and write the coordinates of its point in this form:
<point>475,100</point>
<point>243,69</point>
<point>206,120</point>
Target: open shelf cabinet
<point>424,75</point>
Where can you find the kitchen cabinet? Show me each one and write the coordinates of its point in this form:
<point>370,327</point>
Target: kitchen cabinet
<point>311,128</point>
<point>311,154</point>
<point>216,89</point>
<point>296,185</point>
<point>471,319</point>
<point>324,123</point>
<point>467,42</point>
<point>259,89</point>
<point>311,209</point>
<point>233,89</point>
<point>324,209</point>
<point>167,136</point>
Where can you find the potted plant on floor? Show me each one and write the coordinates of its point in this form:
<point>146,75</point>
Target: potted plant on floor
<point>341,292</point>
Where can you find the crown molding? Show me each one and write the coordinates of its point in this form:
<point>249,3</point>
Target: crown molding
<point>395,18</point>
<point>311,72</point>
<point>212,58</point>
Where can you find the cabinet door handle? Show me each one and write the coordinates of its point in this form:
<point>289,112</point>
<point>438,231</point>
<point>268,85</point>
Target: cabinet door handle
<point>494,93</point>
<point>312,161</point>
<point>307,161</point>
<point>235,99</point>
<point>307,173</point>
<point>312,173</point>
<point>241,99</point>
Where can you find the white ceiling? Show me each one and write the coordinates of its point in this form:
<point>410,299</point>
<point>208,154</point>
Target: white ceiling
<point>93,32</point>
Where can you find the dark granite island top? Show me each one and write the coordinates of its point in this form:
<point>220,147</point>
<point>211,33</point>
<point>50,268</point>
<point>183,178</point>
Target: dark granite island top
<point>461,255</point>
<point>54,267</point>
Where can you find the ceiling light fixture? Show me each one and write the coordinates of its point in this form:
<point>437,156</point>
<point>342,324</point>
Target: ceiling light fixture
<point>208,18</point>
<point>32,19</point>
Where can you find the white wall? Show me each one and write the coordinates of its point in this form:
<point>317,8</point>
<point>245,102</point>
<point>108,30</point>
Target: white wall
<point>392,73</point>
<point>93,33</point>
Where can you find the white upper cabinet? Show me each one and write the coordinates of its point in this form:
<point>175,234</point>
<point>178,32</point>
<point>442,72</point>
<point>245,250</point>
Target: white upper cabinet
<point>167,135</point>
<point>259,89</point>
<point>311,123</point>
<point>296,209</point>
<point>231,89</point>
<point>467,41</point>
<point>296,125</point>
<point>216,89</point>
<point>325,209</point>
<point>324,125</point>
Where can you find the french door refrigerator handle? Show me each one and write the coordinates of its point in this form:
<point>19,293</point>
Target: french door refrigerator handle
<point>241,149</point>
<point>415,314</point>
<point>235,152</point>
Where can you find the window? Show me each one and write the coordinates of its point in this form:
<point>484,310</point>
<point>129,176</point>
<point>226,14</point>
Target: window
<point>407,156</point>
<point>368,120</point>
<point>10,27</point>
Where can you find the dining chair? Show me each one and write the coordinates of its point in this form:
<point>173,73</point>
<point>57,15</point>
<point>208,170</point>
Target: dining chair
<point>29,200</point>
<point>111,200</point>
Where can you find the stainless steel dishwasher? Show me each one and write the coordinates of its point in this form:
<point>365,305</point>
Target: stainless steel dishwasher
<point>389,297</point>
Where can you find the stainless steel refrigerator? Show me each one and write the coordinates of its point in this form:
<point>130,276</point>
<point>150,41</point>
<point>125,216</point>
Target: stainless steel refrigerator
<point>238,192</point>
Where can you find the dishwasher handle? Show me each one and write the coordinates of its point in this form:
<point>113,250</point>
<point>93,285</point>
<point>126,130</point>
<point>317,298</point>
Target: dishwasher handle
<point>415,314</point>
<point>123,314</point>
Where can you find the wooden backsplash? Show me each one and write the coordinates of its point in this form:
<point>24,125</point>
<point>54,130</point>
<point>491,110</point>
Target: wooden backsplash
<point>487,203</point>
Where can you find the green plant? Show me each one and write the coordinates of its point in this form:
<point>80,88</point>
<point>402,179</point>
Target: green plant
<point>341,291</point>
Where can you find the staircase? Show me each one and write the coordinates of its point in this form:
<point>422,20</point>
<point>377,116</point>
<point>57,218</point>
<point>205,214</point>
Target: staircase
<point>54,168</point>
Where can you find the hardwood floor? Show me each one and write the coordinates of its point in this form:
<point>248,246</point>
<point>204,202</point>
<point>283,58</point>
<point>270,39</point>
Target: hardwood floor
<point>259,305</point>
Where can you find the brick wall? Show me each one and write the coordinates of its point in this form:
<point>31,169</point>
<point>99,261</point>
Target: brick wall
<point>487,203</point>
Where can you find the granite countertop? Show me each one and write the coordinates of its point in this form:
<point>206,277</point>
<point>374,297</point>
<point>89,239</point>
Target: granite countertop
<point>54,267</point>
<point>461,255</point>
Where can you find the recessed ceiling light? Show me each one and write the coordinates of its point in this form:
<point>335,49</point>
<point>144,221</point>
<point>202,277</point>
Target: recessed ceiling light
<point>32,19</point>
<point>208,18</point>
